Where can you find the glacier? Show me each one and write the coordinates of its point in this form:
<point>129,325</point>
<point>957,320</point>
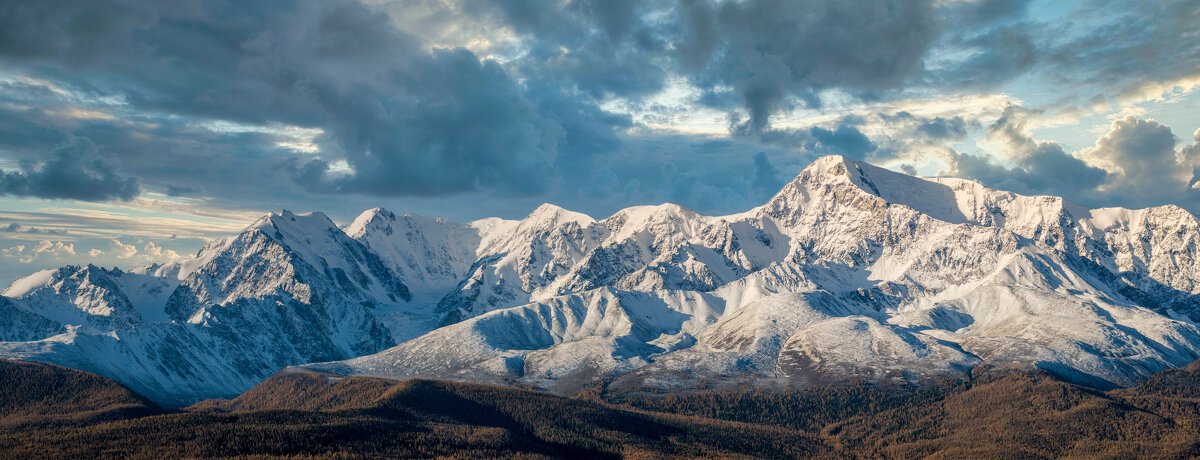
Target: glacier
<point>851,270</point>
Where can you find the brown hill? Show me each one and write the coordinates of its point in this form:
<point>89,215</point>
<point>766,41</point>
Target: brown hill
<point>994,415</point>
<point>32,392</point>
<point>370,417</point>
<point>302,390</point>
<point>295,413</point>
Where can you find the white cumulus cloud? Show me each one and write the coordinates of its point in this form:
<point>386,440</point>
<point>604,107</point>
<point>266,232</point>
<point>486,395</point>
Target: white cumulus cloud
<point>123,251</point>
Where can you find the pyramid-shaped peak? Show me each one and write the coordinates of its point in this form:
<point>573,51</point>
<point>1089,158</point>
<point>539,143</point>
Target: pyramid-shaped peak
<point>831,170</point>
<point>378,212</point>
<point>650,212</point>
<point>948,199</point>
<point>860,173</point>
<point>555,214</point>
<point>828,164</point>
<point>289,222</point>
<point>377,216</point>
<point>834,175</point>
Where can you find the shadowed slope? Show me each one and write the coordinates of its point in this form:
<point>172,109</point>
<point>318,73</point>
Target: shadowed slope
<point>47,394</point>
<point>370,417</point>
<point>998,413</point>
<point>293,390</point>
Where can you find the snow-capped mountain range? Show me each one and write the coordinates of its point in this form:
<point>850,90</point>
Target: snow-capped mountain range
<point>850,270</point>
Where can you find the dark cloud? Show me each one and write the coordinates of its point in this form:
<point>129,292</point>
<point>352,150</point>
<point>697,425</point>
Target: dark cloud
<point>842,138</point>
<point>192,97</point>
<point>181,190</point>
<point>943,128</point>
<point>1146,170</point>
<point>1010,51</point>
<point>459,124</point>
<point>713,177</point>
<point>600,47</point>
<point>767,179</point>
<point>769,50</point>
<point>407,120</point>
<point>1040,167</point>
<point>1048,172</point>
<point>846,140</point>
<point>908,137</point>
<point>1115,48</point>
<point>983,13</point>
<point>18,228</point>
<point>1191,153</point>
<point>905,124</point>
<point>1129,45</point>
<point>1190,156</point>
<point>994,37</point>
<point>1143,150</point>
<point>162,153</point>
<point>404,120</point>
<point>1135,164</point>
<point>74,171</point>
<point>77,32</point>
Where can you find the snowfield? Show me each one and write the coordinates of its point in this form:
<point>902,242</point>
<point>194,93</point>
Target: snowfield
<point>851,270</point>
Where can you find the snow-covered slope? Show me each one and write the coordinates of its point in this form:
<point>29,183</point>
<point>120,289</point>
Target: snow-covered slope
<point>850,270</point>
<point>289,289</point>
<point>561,342</point>
<point>520,261</point>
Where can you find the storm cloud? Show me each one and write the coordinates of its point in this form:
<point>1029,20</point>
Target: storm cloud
<point>770,51</point>
<point>262,104</point>
<point>1041,167</point>
<point>74,171</point>
<point>1134,164</point>
<point>406,119</point>
<point>1145,168</point>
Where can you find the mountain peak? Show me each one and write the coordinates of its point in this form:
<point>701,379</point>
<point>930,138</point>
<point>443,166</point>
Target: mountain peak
<point>837,175</point>
<point>555,214</point>
<point>360,224</point>
<point>303,222</point>
<point>31,282</point>
<point>309,235</point>
<point>837,168</point>
<point>825,163</point>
